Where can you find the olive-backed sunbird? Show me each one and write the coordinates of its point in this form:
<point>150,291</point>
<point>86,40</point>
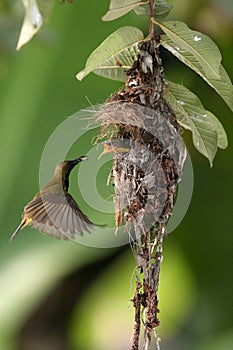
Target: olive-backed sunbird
<point>116,146</point>
<point>53,210</point>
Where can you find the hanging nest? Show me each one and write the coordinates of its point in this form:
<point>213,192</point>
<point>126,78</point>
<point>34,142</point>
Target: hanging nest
<point>148,168</point>
<point>143,133</point>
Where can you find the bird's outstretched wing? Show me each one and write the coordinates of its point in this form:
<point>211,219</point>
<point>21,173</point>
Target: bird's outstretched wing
<point>58,215</point>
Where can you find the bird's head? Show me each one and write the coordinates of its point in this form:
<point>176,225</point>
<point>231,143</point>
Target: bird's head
<point>63,169</point>
<point>68,165</point>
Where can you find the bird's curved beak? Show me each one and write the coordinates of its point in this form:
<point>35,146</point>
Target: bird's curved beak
<point>79,159</point>
<point>107,149</point>
<point>83,158</point>
<point>72,163</point>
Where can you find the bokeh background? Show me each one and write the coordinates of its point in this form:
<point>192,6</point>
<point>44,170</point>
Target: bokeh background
<point>63,296</point>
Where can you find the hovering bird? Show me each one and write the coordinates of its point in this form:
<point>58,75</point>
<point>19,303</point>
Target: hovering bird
<point>53,210</point>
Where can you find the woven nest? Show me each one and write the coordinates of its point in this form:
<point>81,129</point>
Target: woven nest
<point>147,174</point>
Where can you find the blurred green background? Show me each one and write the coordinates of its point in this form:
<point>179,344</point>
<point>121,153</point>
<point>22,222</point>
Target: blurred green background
<point>63,296</point>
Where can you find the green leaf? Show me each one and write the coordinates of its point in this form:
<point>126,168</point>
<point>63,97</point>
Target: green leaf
<point>222,86</point>
<point>161,9</point>
<point>222,136</point>
<point>36,14</point>
<point>221,83</point>
<point>207,131</point>
<point>118,8</point>
<point>115,55</point>
<point>191,47</point>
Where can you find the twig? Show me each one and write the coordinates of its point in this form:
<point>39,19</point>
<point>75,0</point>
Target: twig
<point>152,31</point>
